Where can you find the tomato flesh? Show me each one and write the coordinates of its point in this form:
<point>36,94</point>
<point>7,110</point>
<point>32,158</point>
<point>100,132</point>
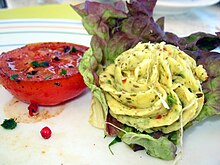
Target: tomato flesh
<point>43,73</point>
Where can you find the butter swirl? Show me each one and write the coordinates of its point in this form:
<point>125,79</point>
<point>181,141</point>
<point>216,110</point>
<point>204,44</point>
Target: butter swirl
<point>150,85</point>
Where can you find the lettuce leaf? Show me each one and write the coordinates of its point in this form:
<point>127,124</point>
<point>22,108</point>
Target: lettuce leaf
<point>211,87</point>
<point>120,26</point>
<point>161,148</point>
<point>99,105</point>
<point>114,31</point>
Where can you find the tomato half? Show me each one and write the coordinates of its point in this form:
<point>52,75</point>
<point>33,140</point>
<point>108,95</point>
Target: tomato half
<point>43,73</point>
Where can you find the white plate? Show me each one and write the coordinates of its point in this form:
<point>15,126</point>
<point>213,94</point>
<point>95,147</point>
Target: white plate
<point>74,141</point>
<point>181,6</point>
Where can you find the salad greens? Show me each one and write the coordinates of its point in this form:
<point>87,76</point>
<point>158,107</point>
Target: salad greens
<point>118,27</point>
<point>161,148</point>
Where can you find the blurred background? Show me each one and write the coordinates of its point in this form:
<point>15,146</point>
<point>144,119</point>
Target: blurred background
<point>22,3</point>
<point>163,7</point>
<point>164,4</point>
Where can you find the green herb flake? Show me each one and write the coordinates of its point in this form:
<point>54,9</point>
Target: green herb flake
<point>14,77</point>
<point>48,77</point>
<point>109,82</point>
<point>116,140</point>
<point>9,124</point>
<point>73,50</point>
<point>36,64</point>
<point>63,72</point>
<point>44,64</point>
<point>171,100</point>
<point>29,76</point>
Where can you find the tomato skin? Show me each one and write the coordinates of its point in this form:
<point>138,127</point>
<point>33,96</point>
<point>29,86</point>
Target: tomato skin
<point>52,91</point>
<point>46,92</point>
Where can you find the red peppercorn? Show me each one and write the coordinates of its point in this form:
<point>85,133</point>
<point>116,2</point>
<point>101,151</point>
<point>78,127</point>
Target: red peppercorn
<point>46,132</point>
<point>158,116</point>
<point>33,109</point>
<point>124,80</point>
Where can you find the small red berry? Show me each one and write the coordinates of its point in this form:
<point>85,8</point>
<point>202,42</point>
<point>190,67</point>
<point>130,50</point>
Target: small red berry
<point>46,132</point>
<point>33,109</point>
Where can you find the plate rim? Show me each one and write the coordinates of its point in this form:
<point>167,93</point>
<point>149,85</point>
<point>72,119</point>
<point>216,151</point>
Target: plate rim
<point>181,4</point>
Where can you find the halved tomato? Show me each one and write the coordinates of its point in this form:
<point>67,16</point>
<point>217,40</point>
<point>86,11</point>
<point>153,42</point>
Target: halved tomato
<point>43,73</point>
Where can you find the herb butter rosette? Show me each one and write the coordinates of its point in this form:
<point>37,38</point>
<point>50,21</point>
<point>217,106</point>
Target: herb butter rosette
<point>147,85</point>
<point>150,86</point>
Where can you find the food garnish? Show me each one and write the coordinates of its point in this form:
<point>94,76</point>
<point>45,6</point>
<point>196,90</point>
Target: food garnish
<point>46,132</point>
<point>13,77</point>
<point>43,73</point>
<point>63,72</point>
<point>33,109</point>
<point>9,124</point>
<point>36,64</point>
<point>148,85</point>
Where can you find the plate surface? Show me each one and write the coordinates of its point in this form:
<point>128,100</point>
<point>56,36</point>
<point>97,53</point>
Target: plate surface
<point>180,6</point>
<point>74,140</point>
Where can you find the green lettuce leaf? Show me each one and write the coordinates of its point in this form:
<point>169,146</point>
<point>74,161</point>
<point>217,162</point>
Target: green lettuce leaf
<point>86,66</point>
<point>161,148</point>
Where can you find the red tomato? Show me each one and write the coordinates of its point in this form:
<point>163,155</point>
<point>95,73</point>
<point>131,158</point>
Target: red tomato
<point>43,73</point>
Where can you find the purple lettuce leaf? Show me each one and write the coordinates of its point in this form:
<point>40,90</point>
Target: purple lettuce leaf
<point>194,42</point>
<point>115,31</point>
<point>211,87</point>
<point>141,7</point>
